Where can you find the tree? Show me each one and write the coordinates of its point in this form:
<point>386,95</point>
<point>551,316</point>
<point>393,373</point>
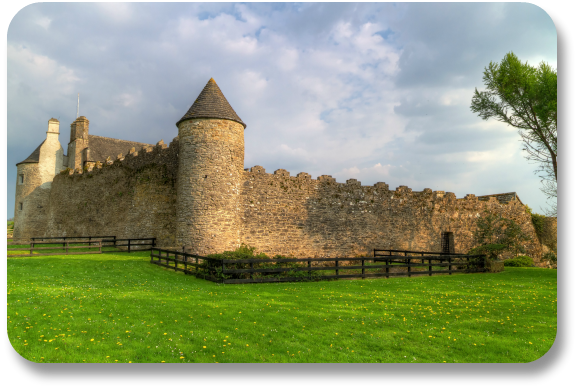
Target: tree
<point>526,98</point>
<point>496,234</point>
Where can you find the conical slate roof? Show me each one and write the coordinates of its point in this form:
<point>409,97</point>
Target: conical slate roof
<point>212,104</point>
<point>34,157</point>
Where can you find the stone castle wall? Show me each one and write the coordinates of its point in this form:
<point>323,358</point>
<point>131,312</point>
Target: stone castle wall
<point>34,192</point>
<point>277,213</point>
<point>196,193</point>
<point>31,220</point>
<point>550,233</point>
<point>305,217</point>
<point>133,197</point>
<point>211,160</point>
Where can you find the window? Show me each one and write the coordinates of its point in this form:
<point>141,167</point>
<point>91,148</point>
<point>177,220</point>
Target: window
<point>20,206</point>
<point>447,242</point>
<point>21,179</point>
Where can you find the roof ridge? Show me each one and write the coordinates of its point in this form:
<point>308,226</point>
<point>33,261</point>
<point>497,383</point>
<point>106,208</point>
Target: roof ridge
<point>122,140</point>
<point>212,104</point>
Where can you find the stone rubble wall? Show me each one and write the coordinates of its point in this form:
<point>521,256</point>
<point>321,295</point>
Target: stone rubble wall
<point>133,197</point>
<point>34,196</point>
<point>211,159</point>
<point>305,217</point>
<point>136,196</point>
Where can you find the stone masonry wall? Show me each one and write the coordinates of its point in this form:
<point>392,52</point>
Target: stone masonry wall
<point>78,142</point>
<point>304,217</point>
<point>210,172</point>
<point>550,234</point>
<point>31,220</point>
<point>133,197</point>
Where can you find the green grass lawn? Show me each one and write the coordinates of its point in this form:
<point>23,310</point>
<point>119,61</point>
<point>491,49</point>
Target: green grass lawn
<point>118,307</point>
<point>56,248</point>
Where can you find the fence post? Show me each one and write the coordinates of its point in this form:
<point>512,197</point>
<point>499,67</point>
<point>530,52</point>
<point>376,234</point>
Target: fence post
<point>450,265</point>
<point>129,245</point>
<point>363,269</point>
<point>185,259</point>
<point>100,247</point>
<point>407,260</point>
<point>387,262</point>
<point>430,267</point>
<point>67,243</point>
<point>252,269</point>
<point>309,266</point>
<point>337,266</point>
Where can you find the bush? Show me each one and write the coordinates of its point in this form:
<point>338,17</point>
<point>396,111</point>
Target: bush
<point>521,261</point>
<point>495,235</point>
<point>248,252</point>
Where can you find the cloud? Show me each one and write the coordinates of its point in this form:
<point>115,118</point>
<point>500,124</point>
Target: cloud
<point>373,91</point>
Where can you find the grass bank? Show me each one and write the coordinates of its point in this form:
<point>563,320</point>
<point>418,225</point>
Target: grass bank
<point>118,307</point>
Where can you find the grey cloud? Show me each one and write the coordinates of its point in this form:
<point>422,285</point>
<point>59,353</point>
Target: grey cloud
<point>314,100</point>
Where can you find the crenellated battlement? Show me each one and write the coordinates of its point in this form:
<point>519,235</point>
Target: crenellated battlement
<point>259,172</point>
<point>160,154</point>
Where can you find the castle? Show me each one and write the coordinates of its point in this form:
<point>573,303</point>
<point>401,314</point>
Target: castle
<point>195,192</point>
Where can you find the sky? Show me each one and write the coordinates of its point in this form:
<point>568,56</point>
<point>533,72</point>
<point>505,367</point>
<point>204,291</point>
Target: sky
<point>379,92</point>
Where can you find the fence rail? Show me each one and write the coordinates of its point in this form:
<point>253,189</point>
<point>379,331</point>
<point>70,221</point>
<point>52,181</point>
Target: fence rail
<point>311,269</point>
<point>89,238</point>
<point>64,250</point>
<point>107,241</point>
<point>199,266</point>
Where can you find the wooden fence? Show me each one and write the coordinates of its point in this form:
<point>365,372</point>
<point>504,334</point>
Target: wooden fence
<point>199,266</point>
<point>107,241</point>
<point>68,248</point>
<point>244,271</point>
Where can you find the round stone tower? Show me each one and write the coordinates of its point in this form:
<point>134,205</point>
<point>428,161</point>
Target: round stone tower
<point>211,160</point>
<point>33,182</point>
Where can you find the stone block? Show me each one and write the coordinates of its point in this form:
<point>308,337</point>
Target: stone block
<point>257,169</point>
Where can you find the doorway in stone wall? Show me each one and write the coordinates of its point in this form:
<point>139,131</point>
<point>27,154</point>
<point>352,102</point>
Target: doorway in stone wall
<point>448,242</point>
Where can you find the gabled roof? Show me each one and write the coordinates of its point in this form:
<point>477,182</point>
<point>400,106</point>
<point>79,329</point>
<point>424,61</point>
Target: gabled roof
<point>34,157</point>
<point>101,147</point>
<point>502,197</point>
<point>212,104</point>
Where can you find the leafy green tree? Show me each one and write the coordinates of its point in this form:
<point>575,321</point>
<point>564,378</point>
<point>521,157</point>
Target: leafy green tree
<point>526,98</point>
<point>496,234</point>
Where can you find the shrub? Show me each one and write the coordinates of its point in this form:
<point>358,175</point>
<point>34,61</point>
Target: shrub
<point>248,252</point>
<point>496,234</point>
<point>521,261</point>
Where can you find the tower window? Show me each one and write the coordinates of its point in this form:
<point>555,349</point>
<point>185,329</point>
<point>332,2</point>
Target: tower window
<point>20,206</point>
<point>21,178</point>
